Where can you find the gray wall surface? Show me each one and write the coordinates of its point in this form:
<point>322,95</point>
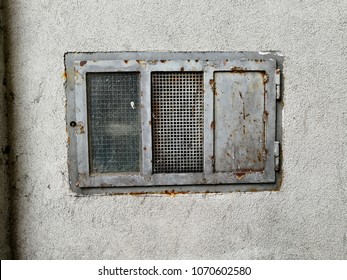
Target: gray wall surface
<point>306,219</point>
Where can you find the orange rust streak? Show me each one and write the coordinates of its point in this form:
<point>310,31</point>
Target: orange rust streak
<point>64,76</point>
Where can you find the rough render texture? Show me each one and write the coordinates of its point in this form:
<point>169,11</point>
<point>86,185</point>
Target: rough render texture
<point>306,219</point>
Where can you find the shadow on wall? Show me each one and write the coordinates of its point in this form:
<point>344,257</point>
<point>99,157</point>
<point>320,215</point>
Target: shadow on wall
<point>7,124</point>
<point>5,252</point>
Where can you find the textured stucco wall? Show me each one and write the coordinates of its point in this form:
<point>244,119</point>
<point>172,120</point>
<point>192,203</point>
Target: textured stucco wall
<point>307,218</point>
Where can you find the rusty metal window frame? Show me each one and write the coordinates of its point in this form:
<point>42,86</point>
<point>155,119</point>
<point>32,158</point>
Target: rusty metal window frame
<point>81,179</point>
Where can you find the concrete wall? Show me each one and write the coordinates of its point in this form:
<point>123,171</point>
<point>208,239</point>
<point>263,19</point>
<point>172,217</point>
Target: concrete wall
<point>307,218</point>
<point>4,151</point>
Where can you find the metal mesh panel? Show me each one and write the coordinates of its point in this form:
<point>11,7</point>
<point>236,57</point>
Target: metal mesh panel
<point>114,126</point>
<point>177,122</point>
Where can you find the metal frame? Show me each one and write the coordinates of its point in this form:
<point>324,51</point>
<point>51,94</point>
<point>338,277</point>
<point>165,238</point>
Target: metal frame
<point>77,65</point>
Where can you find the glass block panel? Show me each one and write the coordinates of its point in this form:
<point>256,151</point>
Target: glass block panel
<point>177,122</point>
<point>114,122</point>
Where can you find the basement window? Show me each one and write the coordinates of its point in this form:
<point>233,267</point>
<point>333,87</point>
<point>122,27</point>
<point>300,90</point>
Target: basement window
<point>173,122</point>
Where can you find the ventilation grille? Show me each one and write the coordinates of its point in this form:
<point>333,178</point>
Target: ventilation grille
<point>177,122</point>
<point>114,127</point>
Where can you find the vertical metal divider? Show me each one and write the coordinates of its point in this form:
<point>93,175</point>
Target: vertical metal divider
<point>146,129</point>
<point>81,120</point>
<point>209,120</point>
<point>265,123</point>
<point>271,104</point>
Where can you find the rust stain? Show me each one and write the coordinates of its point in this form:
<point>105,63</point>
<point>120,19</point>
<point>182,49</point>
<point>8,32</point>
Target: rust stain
<point>213,125</point>
<point>238,69</point>
<point>265,78</point>
<point>68,140</point>
<point>240,175</point>
<point>173,193</point>
<point>82,63</point>
<point>138,61</point>
<point>213,86</point>
<point>154,61</point>
<point>80,128</point>
<point>64,76</point>
<point>126,61</point>
<point>265,116</point>
<point>259,60</point>
<point>137,193</point>
<point>259,156</point>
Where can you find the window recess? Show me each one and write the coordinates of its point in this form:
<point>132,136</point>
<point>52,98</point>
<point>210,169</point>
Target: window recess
<point>173,122</point>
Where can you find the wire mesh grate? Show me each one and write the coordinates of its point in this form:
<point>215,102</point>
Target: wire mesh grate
<point>177,122</point>
<point>114,124</point>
